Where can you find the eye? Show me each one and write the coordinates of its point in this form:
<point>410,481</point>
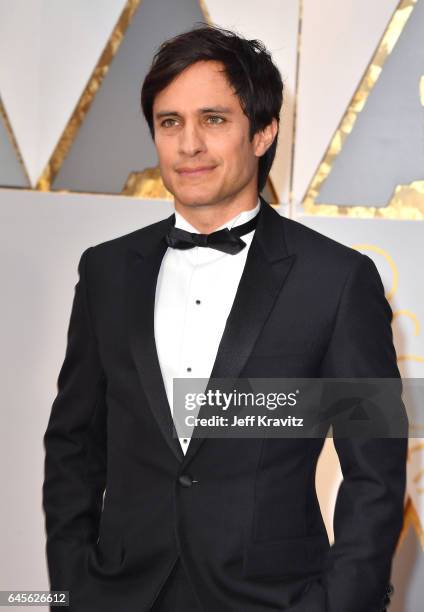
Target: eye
<point>165,122</point>
<point>220,119</point>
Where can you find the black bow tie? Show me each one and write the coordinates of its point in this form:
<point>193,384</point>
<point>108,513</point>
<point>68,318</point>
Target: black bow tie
<point>225,240</point>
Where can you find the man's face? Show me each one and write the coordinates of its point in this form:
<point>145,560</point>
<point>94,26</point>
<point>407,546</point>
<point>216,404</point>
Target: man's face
<point>199,125</point>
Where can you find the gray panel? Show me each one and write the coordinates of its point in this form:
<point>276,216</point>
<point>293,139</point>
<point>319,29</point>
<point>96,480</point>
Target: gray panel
<point>385,147</point>
<point>11,171</point>
<point>114,139</point>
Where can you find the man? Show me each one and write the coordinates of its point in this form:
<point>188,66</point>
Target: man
<point>216,524</point>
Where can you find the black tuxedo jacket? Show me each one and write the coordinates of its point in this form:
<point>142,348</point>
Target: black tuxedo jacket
<point>123,503</point>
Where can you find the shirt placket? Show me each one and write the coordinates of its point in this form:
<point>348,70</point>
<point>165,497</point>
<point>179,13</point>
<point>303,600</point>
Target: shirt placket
<point>191,350</point>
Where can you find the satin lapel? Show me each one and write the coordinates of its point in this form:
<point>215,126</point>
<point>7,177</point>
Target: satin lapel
<point>267,266</point>
<point>142,269</point>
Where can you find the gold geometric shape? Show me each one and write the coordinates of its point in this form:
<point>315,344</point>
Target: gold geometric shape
<point>411,519</point>
<point>94,83</point>
<point>147,184</point>
<point>62,148</point>
<point>295,106</point>
<point>410,315</point>
<point>416,358</point>
<point>395,273</point>
<point>205,12</point>
<point>408,201</point>
<point>270,193</point>
<point>13,141</point>
<point>395,209</point>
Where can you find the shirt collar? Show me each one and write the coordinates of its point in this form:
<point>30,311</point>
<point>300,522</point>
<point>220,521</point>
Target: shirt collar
<point>239,219</point>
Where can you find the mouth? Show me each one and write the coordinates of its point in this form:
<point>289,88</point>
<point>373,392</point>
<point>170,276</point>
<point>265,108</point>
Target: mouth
<point>201,170</point>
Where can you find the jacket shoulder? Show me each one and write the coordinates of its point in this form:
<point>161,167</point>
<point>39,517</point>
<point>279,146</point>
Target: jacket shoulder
<point>313,246</point>
<point>122,243</point>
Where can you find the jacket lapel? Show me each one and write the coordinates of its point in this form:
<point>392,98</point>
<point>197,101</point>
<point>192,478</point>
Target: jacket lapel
<point>142,269</point>
<point>267,265</point>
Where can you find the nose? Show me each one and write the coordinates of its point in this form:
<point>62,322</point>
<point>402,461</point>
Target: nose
<point>191,140</point>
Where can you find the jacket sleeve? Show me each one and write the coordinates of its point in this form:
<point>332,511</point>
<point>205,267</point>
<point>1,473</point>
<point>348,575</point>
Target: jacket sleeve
<point>75,447</point>
<point>369,506</point>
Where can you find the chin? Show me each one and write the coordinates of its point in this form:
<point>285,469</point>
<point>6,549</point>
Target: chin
<point>195,197</point>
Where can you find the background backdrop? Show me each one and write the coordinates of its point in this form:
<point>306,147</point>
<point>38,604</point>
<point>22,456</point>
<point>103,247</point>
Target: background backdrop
<point>77,167</point>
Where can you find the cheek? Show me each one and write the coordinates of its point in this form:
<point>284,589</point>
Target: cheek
<point>165,157</point>
<point>164,144</point>
<point>232,151</point>
<point>239,158</point>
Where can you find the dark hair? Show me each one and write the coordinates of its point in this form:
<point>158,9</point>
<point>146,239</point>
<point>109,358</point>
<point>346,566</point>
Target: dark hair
<point>248,67</point>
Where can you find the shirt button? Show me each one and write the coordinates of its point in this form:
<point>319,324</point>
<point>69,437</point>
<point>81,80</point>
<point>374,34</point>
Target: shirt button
<point>185,480</point>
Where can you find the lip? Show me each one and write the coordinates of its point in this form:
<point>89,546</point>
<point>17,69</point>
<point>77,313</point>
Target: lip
<point>195,171</point>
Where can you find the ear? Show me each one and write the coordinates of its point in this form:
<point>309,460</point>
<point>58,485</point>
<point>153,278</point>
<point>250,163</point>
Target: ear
<point>263,139</point>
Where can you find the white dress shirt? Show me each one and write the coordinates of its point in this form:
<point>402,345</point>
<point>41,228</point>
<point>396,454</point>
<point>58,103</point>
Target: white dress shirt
<point>194,294</point>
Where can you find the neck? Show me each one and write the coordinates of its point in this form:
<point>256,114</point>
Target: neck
<point>206,218</point>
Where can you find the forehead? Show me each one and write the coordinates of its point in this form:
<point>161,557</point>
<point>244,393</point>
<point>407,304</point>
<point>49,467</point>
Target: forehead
<point>201,84</point>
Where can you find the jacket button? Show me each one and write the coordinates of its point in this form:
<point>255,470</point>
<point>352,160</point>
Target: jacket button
<point>185,480</point>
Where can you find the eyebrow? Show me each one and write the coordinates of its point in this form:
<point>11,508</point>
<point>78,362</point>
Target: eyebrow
<point>209,109</point>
